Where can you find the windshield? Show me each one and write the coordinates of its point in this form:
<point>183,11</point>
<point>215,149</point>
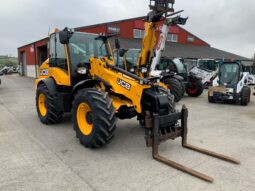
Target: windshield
<point>167,64</point>
<point>250,69</point>
<point>83,46</point>
<point>132,58</point>
<point>229,74</point>
<point>208,64</point>
<point>120,62</point>
<point>190,63</point>
<point>179,65</point>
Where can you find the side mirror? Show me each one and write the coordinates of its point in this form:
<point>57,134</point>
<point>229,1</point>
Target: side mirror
<point>122,52</point>
<point>117,43</point>
<point>64,37</point>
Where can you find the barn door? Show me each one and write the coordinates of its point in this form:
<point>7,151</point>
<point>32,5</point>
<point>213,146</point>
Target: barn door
<point>23,64</point>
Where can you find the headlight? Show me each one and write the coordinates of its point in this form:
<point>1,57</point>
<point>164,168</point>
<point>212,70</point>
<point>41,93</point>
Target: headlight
<point>167,70</point>
<point>144,70</point>
<point>82,70</point>
<point>132,70</point>
<point>230,90</point>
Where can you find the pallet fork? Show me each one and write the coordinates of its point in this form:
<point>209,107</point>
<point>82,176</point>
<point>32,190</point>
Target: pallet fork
<point>180,131</point>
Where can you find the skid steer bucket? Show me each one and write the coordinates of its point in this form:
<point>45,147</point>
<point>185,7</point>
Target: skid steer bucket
<point>179,131</point>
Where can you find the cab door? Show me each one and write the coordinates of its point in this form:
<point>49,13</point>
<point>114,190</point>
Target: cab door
<point>59,64</point>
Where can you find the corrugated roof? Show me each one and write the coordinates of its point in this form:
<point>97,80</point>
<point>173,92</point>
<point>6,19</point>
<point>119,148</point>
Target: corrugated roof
<point>185,51</point>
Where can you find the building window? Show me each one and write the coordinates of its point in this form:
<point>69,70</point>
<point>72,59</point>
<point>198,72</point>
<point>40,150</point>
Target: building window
<point>172,37</point>
<point>138,33</point>
<point>113,30</point>
<point>190,39</point>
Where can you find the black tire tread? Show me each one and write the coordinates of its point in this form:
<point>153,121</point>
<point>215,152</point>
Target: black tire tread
<point>200,88</point>
<point>183,88</point>
<point>245,96</point>
<point>104,121</point>
<point>53,116</point>
<point>175,88</point>
<point>210,99</point>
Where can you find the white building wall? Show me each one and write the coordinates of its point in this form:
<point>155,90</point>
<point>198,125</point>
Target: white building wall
<point>31,71</point>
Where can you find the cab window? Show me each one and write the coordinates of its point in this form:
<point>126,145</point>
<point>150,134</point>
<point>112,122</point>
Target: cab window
<point>163,64</point>
<point>57,53</point>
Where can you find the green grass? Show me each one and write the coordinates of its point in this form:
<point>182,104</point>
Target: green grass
<point>8,61</point>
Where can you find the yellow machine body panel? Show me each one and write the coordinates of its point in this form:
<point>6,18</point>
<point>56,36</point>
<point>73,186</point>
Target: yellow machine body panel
<point>129,89</point>
<point>120,83</point>
<point>61,76</point>
<point>149,43</point>
<point>125,91</point>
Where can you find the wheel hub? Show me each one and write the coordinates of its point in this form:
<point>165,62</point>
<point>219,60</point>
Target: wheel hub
<point>42,104</point>
<point>84,118</point>
<point>89,117</point>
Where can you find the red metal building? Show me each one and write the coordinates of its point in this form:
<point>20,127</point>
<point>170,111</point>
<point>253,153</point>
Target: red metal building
<point>32,55</point>
<point>134,28</point>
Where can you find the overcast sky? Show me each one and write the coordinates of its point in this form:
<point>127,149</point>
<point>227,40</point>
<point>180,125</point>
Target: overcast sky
<point>225,24</point>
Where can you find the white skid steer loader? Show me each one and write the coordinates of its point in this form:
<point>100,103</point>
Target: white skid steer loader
<point>231,84</point>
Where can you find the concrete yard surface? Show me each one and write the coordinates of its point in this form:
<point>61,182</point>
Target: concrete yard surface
<point>38,157</point>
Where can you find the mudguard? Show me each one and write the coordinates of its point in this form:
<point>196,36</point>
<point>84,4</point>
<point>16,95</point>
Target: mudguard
<point>51,85</point>
<point>89,83</point>
<point>171,75</point>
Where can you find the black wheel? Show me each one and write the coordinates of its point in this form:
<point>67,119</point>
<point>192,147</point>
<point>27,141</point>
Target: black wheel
<point>183,88</point>
<point>210,99</point>
<point>194,88</point>
<point>46,108</point>
<point>175,87</point>
<point>94,119</point>
<point>245,96</point>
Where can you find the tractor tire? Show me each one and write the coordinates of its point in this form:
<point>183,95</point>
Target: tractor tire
<point>211,99</point>
<point>183,88</point>
<point>245,96</point>
<point>46,108</point>
<point>93,116</point>
<point>194,88</point>
<point>175,87</point>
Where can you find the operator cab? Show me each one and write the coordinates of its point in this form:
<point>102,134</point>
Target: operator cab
<point>208,64</point>
<point>172,65</point>
<point>229,74</point>
<point>180,67</point>
<point>79,47</point>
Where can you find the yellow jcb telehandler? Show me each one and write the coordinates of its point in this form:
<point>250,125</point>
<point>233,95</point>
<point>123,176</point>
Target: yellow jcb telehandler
<point>81,77</point>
